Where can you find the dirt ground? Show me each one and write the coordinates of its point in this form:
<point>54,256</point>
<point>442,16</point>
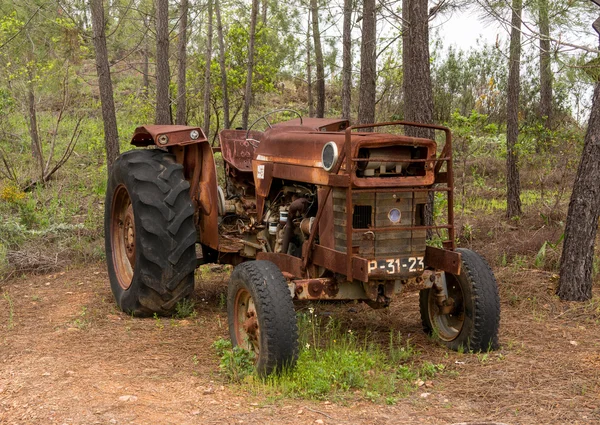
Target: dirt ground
<point>68,356</point>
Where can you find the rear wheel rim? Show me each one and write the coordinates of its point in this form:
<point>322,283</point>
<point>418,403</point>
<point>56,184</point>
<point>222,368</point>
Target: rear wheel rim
<point>123,237</point>
<point>246,326</point>
<point>448,326</point>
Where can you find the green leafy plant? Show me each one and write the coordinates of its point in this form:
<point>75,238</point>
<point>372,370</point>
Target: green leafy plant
<point>158,322</point>
<point>185,308</point>
<point>82,321</point>
<point>236,363</point>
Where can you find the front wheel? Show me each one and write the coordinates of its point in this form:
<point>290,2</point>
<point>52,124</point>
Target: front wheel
<point>261,316</point>
<point>473,320</point>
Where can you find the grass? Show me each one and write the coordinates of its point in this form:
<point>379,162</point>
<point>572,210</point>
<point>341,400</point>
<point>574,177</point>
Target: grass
<point>334,364</point>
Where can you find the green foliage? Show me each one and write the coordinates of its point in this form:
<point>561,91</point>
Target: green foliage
<point>467,81</point>
<point>235,363</point>
<point>334,363</point>
<point>548,254</point>
<point>185,308</point>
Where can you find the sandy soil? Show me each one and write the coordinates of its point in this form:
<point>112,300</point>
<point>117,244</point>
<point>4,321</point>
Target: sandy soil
<point>68,356</point>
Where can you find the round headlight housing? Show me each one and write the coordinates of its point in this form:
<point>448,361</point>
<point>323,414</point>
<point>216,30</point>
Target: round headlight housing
<point>329,155</point>
<point>394,215</point>
<point>194,134</point>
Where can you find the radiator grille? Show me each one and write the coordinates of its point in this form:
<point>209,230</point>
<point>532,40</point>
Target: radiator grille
<point>370,211</point>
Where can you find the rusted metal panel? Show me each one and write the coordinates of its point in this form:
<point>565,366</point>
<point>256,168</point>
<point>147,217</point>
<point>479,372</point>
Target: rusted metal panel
<point>328,289</point>
<point>237,150</point>
<point>263,177</point>
<point>326,227</point>
<point>208,198</point>
<point>285,262</point>
<point>337,262</point>
<point>300,173</point>
<point>442,259</point>
<point>167,135</point>
<point>319,124</point>
<point>339,180</point>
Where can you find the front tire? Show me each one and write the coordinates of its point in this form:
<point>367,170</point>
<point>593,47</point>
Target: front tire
<point>149,233</point>
<point>261,316</point>
<point>474,321</point>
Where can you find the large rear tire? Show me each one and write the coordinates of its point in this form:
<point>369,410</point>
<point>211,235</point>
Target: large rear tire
<point>149,233</point>
<point>261,316</point>
<point>473,323</point>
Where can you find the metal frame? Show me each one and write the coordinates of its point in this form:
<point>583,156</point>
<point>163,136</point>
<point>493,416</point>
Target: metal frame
<point>344,179</point>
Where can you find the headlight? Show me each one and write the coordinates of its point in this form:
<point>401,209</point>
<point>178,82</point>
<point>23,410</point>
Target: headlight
<point>395,215</point>
<point>329,155</point>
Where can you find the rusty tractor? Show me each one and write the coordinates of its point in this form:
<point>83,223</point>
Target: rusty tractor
<point>310,209</point>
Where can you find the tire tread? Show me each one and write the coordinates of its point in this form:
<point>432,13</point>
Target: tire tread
<point>166,233</point>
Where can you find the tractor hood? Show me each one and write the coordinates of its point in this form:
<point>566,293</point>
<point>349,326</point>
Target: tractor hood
<point>300,145</point>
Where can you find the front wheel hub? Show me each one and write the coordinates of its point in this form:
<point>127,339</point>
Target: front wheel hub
<point>122,236</point>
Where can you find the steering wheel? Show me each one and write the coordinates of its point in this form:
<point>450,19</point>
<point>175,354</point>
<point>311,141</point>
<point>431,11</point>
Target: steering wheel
<point>264,117</point>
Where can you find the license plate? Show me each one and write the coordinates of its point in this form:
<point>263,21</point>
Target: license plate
<point>397,265</point>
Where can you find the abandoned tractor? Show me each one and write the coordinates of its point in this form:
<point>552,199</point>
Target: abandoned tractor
<point>310,209</point>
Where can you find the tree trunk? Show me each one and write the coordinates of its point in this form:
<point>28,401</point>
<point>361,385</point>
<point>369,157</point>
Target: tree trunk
<point>320,112</point>
<point>545,66</point>
<point>207,59</point>
<point>109,118</point>
<point>146,61</point>
<point>251,40</point>
<point>575,283</point>
<point>36,145</point>
<point>182,68</point>
<point>226,123</point>
<point>416,85</point>
<point>347,60</point>
<point>311,112</point>
<point>265,8</point>
<point>513,185</point>
<point>163,106</point>
<point>368,65</point>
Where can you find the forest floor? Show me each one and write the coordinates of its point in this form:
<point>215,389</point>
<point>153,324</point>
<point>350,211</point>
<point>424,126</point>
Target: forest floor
<point>68,356</point>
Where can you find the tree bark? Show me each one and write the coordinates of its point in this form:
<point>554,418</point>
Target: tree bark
<point>320,112</point>
<point>182,68</point>
<point>513,184</point>
<point>416,85</point>
<point>368,65</point>
<point>251,40</point>
<point>265,8</point>
<point>226,123</point>
<point>545,66</point>
<point>576,262</point>
<point>109,118</point>
<point>146,61</point>
<point>207,62</point>
<point>347,60</point>
<point>309,97</point>
<point>163,105</point>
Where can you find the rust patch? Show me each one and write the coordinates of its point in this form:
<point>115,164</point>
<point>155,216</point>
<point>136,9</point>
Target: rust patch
<point>167,135</point>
